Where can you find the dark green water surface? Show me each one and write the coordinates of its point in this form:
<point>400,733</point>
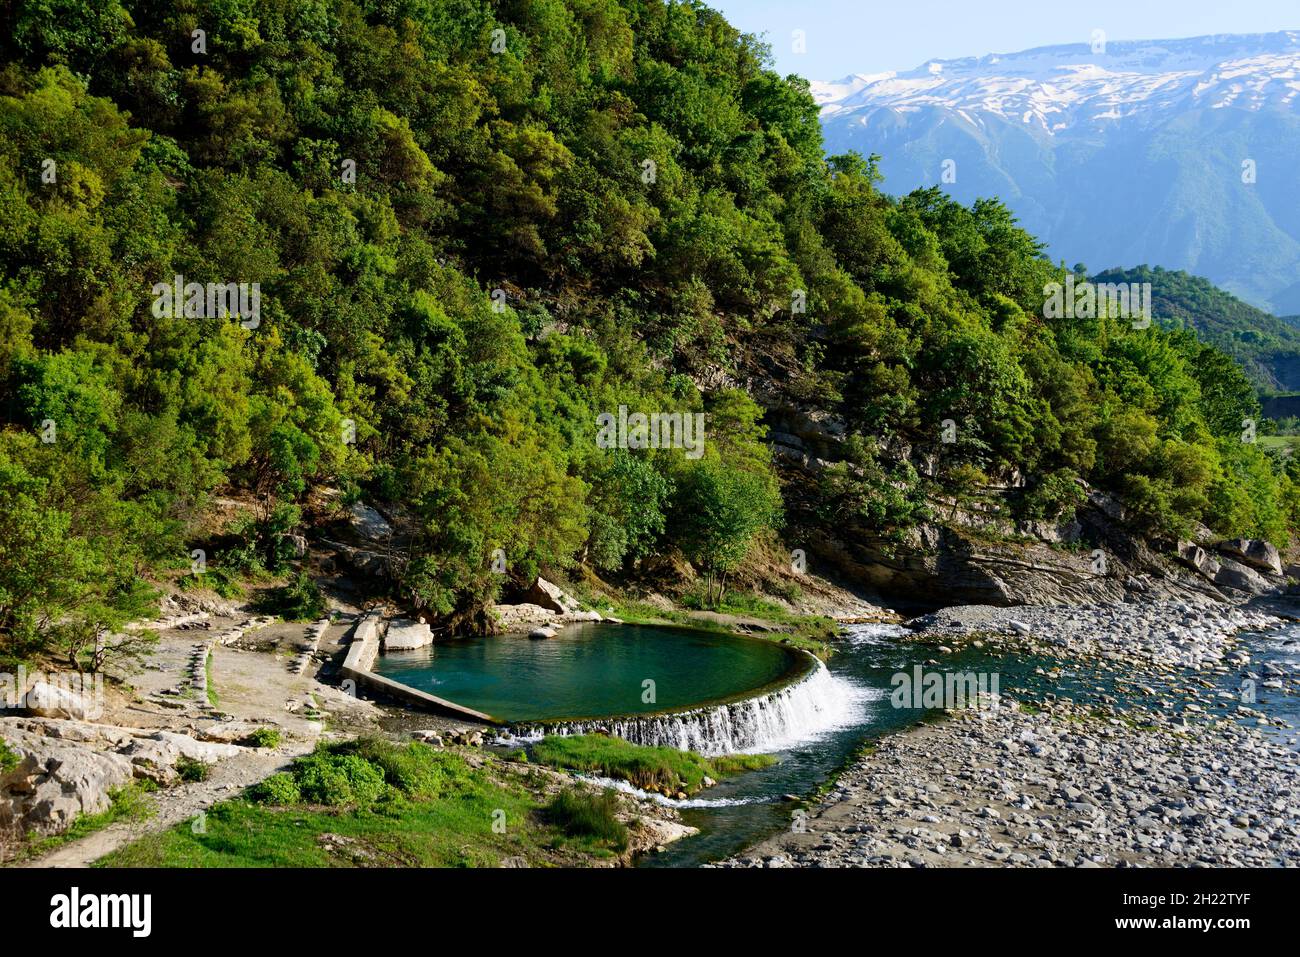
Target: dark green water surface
<point>591,670</point>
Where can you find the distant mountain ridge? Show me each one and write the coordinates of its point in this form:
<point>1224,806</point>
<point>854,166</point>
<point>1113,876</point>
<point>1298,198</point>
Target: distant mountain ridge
<point>1134,154</point>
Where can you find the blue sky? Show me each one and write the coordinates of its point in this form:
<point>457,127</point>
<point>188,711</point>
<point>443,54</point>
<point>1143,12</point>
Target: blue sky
<point>869,36</point>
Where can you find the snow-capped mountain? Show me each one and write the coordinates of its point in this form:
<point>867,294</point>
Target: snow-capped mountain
<point>1181,153</point>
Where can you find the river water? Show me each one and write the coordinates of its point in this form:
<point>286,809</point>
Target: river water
<point>744,810</point>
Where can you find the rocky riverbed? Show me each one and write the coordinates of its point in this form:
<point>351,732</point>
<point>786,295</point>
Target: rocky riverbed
<point>1173,775</point>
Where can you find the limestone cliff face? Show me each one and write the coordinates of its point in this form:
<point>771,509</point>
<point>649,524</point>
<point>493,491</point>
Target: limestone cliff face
<point>973,552</point>
<point>944,564</point>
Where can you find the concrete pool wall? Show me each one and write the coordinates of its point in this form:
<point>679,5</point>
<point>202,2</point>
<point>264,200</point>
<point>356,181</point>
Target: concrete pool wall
<point>361,658</point>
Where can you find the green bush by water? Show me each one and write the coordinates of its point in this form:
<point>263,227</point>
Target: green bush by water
<point>581,814</point>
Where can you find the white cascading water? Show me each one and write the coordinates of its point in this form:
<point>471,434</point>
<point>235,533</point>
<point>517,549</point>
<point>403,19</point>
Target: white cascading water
<point>874,633</point>
<point>800,712</point>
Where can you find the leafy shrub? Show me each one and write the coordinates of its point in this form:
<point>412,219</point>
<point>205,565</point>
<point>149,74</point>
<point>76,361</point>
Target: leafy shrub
<point>192,770</point>
<point>244,556</point>
<point>887,498</point>
<point>415,769</point>
<point>338,779</point>
<point>362,772</point>
<point>300,600</point>
<point>1055,495</point>
<point>279,788</point>
<point>265,738</point>
<point>8,760</point>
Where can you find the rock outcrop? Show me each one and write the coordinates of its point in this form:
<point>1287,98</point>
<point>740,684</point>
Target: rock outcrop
<point>368,523</point>
<point>982,558</point>
<point>542,605</point>
<point>54,783</point>
<point>68,768</point>
<point>1197,559</point>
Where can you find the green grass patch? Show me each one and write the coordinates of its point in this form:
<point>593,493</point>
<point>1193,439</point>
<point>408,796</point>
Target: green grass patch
<point>810,632</point>
<point>582,814</point>
<point>191,770</point>
<point>373,803</point>
<point>651,769</point>
<point>223,581</point>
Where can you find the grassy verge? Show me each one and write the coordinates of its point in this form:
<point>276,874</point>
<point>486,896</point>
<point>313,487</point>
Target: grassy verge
<point>665,770</point>
<point>372,803</point>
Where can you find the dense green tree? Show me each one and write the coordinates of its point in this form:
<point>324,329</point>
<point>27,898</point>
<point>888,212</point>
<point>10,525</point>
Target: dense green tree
<point>475,227</point>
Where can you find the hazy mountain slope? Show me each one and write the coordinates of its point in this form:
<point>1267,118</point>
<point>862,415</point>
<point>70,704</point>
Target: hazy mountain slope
<point>1132,155</point>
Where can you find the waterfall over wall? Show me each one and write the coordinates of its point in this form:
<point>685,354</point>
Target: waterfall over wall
<point>779,719</point>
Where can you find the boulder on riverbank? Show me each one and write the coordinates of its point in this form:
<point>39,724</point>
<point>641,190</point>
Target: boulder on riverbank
<point>550,597</point>
<point>407,635</point>
<point>1233,574</point>
<point>1257,553</point>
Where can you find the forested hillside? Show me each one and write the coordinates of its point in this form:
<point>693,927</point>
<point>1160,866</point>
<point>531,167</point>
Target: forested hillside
<point>475,227</point>
<point>1267,347</point>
